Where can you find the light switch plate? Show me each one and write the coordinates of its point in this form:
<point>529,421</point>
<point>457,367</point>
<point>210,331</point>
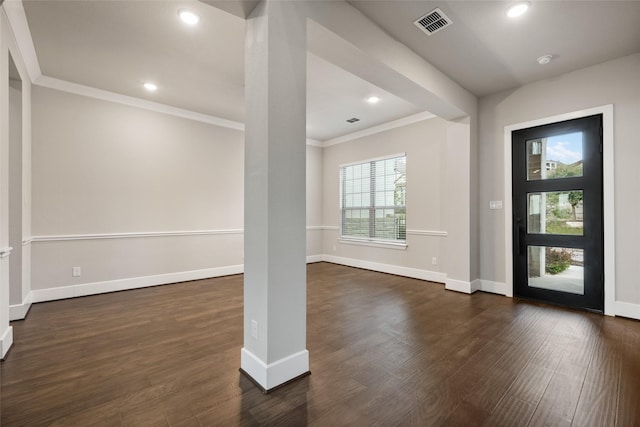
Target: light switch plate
<point>495,204</point>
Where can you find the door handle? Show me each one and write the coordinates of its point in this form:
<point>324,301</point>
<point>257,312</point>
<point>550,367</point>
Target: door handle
<point>522,245</point>
<point>519,236</point>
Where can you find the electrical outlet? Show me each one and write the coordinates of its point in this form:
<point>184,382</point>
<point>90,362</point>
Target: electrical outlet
<point>334,248</point>
<point>76,271</point>
<point>254,329</point>
<point>434,261</point>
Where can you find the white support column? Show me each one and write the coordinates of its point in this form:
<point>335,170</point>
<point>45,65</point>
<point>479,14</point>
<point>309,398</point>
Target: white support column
<point>275,231</point>
<point>6,333</point>
<point>457,208</point>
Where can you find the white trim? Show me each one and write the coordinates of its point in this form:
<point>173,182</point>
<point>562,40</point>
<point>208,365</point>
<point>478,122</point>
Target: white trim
<point>315,143</point>
<point>68,237</point>
<point>459,286</point>
<point>379,128</point>
<point>415,273</point>
<point>276,373</point>
<point>608,201</point>
<point>27,242</point>
<point>100,236</point>
<point>626,309</point>
<point>6,341</point>
<point>20,29</point>
<point>373,243</point>
<point>315,258</point>
<point>19,311</point>
<point>427,233</point>
<point>489,286</point>
<point>608,197</point>
<point>104,95</point>
<point>5,252</point>
<point>72,291</point>
<point>91,92</point>
<point>330,228</point>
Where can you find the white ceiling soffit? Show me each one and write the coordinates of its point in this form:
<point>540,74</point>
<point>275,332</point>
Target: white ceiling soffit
<point>239,8</point>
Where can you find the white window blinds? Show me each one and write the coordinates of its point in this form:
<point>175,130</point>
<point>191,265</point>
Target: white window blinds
<point>373,199</point>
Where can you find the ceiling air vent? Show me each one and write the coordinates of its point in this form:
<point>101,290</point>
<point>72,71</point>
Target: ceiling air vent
<point>353,120</point>
<point>433,22</point>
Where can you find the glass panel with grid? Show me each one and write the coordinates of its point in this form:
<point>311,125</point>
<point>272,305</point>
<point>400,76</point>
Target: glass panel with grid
<point>373,199</point>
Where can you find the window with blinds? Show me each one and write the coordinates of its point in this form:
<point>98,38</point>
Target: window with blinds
<point>373,199</point>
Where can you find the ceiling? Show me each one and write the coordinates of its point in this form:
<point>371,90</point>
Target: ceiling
<point>119,45</point>
<point>486,52</point>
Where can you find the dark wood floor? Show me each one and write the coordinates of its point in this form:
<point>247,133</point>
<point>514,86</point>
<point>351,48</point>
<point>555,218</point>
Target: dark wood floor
<point>384,351</point>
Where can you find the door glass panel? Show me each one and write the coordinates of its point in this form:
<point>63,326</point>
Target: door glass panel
<point>554,157</point>
<point>555,212</point>
<point>558,269</point>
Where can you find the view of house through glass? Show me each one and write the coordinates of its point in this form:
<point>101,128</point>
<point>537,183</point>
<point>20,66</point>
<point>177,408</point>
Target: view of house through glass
<point>555,157</point>
<point>373,199</point>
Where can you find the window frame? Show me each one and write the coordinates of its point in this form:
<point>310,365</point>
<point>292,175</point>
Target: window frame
<point>371,208</point>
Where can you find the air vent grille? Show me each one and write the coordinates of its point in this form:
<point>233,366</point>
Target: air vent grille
<point>353,120</point>
<point>433,22</point>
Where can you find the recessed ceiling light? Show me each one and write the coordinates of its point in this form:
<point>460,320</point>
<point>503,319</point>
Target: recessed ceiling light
<point>544,59</point>
<point>188,17</point>
<point>150,87</point>
<point>518,9</point>
<point>373,99</point>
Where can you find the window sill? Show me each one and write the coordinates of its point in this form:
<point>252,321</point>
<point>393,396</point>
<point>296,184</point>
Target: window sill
<point>374,243</point>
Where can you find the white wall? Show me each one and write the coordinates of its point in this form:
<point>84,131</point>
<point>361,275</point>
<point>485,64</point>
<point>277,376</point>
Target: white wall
<point>615,82</point>
<point>110,181</point>
<point>425,146</point>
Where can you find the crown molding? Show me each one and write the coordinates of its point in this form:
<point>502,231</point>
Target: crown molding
<point>379,128</point>
<point>91,92</point>
<point>20,27</point>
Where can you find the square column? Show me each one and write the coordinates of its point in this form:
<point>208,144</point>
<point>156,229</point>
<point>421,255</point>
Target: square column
<point>275,311</point>
<point>6,331</point>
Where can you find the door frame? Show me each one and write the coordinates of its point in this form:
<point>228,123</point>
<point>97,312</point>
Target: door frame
<point>608,197</point>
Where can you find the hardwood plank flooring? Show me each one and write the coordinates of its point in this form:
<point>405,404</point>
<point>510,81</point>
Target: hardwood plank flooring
<point>384,351</point>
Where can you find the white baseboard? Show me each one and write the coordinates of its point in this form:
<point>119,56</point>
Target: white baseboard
<point>492,287</point>
<point>476,285</point>
<point>6,341</point>
<point>459,286</point>
<point>19,311</point>
<point>627,309</point>
<point>314,258</point>
<point>415,273</point>
<point>72,291</point>
<point>276,373</point>
<point>41,295</point>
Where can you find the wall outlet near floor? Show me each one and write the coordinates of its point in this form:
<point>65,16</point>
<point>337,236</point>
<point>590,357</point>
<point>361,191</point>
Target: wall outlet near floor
<point>76,271</point>
<point>434,261</point>
<point>254,329</point>
<point>334,248</point>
